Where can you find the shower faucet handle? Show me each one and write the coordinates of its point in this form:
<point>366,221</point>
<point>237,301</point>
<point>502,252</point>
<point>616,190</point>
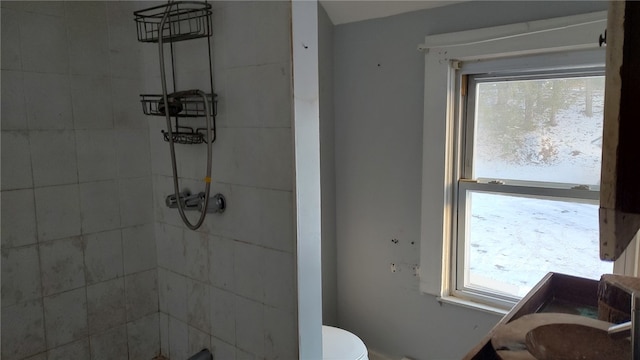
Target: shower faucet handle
<point>172,200</point>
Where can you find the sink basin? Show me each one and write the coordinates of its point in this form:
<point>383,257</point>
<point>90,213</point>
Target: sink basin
<point>575,342</point>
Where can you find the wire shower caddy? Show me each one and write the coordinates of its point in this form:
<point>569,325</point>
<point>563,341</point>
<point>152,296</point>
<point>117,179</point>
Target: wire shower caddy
<point>185,20</point>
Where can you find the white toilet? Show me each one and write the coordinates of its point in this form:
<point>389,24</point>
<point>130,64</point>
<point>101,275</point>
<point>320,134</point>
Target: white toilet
<point>338,344</point>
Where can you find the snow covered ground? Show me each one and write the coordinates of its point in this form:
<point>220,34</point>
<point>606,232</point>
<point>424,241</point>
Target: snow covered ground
<point>515,241</point>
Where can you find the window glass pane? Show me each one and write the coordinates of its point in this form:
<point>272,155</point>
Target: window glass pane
<point>512,242</point>
<point>539,130</point>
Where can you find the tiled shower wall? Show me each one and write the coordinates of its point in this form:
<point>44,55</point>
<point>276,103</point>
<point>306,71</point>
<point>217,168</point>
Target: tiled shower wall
<point>79,269</point>
<point>79,216</point>
<point>231,285</point>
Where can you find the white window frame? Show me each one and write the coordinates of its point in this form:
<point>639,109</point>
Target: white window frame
<point>565,36</point>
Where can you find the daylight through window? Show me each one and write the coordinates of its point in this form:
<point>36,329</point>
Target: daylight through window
<point>529,173</point>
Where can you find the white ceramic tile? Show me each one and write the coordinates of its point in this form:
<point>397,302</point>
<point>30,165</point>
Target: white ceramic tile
<point>241,96</point>
<point>152,78</point>
<point>195,80</point>
<point>245,355</point>
<point>53,8</point>
<point>22,330</point>
<point>273,94</point>
<point>280,334</point>
<point>141,291</point>
<point>18,218</point>
<point>258,96</point>
<point>99,206</point>
<point>192,162</point>
<point>270,226</point>
<point>248,270</point>
<point>109,345</point>
<point>173,294</point>
<point>279,279</point>
<point>178,339</point>
<point>219,37</point>
<point>96,158</point>
<point>53,157</point>
<point>74,350</point>
<point>240,36</point>
<point>65,317</point>
<point>48,101</point>
<point>160,155</point>
<point>57,212</point>
<point>223,320</point>
<point>171,249</point>
<point>90,11</point>
<point>43,42</point>
<point>20,275</point>
<point>273,29</point>
<point>105,305</point>
<point>41,356</point>
<point>194,59</point>
<point>277,227</point>
<point>119,12</point>
<point>127,109</point>
<point>198,305</point>
<point>62,265</point>
<point>125,52</point>
<point>136,201</point>
<point>10,37</point>
<point>221,260</point>
<point>197,255</point>
<point>139,247</point>
<point>132,147</point>
<point>255,157</point>
<point>164,334</point>
<point>13,110</point>
<point>249,326</point>
<point>91,99</point>
<point>16,160</point>
<point>103,256</point>
<point>88,40</point>
<point>143,337</point>
<point>198,341</point>
<point>222,350</point>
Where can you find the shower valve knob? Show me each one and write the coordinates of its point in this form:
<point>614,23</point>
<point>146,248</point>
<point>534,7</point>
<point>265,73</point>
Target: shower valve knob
<point>217,204</point>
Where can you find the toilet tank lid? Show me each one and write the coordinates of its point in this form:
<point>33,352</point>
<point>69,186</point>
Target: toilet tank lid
<point>339,344</point>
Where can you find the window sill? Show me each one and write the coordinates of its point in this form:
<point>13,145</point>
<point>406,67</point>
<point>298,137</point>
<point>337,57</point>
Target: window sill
<point>472,305</point>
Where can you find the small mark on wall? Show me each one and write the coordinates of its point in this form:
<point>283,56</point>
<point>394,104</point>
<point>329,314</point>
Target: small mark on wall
<point>395,241</point>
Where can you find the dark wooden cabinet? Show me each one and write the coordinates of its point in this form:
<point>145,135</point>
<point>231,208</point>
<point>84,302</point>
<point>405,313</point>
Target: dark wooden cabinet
<point>620,179</point>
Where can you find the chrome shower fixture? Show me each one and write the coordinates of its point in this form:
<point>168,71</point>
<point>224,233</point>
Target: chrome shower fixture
<point>217,204</point>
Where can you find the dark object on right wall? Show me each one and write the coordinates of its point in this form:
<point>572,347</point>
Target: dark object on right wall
<point>619,190</point>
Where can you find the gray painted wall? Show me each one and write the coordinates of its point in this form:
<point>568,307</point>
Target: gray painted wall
<point>378,94</point>
<point>327,170</point>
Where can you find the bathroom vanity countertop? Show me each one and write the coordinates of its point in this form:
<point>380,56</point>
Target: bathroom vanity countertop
<point>557,293</point>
